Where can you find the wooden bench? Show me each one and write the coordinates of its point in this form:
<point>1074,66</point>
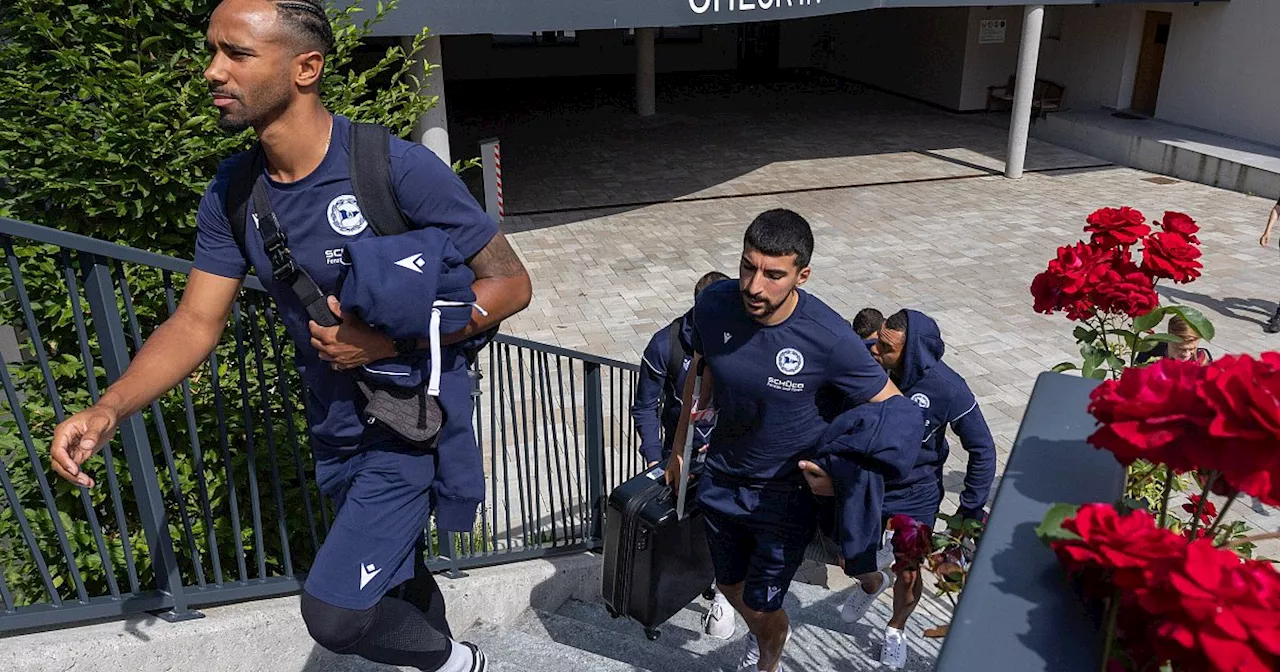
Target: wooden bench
<point>1046,96</point>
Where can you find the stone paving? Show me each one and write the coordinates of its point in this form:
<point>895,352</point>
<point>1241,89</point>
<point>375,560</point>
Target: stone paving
<point>905,208</point>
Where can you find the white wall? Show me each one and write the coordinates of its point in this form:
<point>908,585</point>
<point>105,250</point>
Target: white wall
<point>988,64</point>
<point>1220,69</point>
<point>914,52</point>
<point>598,52</point>
<point>1096,57</point>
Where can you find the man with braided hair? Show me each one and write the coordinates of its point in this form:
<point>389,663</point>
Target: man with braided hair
<point>368,591</point>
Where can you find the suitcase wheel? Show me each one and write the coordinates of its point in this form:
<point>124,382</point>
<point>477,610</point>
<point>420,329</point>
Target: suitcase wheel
<point>612,613</point>
<point>709,594</point>
<point>652,633</point>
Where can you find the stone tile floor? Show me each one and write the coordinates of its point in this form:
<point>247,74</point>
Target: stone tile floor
<point>626,214</point>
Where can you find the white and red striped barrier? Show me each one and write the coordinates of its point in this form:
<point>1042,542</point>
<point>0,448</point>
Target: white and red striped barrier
<point>491,160</point>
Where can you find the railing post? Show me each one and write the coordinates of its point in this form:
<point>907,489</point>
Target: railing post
<point>594,421</point>
<point>101,293</point>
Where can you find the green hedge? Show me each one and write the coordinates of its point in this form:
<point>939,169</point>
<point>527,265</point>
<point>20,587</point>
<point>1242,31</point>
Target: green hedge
<point>109,132</point>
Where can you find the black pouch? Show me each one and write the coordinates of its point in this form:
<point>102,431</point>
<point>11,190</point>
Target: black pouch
<point>410,414</point>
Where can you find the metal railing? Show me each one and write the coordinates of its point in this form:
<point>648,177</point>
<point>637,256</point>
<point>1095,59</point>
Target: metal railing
<point>209,495</point>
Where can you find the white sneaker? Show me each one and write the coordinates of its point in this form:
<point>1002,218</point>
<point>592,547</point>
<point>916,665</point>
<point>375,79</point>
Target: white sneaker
<point>751,656</point>
<point>884,558</point>
<point>719,621</point>
<point>859,600</point>
<point>893,652</point>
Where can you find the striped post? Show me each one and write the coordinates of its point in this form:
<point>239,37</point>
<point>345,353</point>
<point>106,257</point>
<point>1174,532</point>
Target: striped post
<point>491,159</point>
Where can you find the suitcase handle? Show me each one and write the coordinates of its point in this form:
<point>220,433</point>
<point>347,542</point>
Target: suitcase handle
<point>687,464</point>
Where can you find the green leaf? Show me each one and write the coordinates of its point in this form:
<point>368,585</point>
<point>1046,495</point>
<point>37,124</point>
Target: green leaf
<point>1093,358</point>
<point>1085,335</point>
<point>1162,338</point>
<point>1065,366</point>
<point>1149,321</point>
<point>1196,319</point>
<point>1050,529</point>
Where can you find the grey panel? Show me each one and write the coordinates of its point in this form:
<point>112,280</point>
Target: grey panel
<point>468,17</point>
<point>1018,611</point>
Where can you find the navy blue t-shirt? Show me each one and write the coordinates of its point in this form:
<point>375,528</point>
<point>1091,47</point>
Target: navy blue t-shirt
<point>777,387</point>
<point>319,215</point>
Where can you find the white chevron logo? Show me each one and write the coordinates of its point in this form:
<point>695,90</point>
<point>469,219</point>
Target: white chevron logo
<point>412,262</point>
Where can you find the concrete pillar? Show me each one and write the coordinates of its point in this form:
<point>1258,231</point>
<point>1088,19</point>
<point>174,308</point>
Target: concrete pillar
<point>1020,120</point>
<point>646,79</point>
<point>432,129</point>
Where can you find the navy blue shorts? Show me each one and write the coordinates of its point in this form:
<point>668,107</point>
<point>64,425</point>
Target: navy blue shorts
<point>383,498</point>
<point>757,536</point>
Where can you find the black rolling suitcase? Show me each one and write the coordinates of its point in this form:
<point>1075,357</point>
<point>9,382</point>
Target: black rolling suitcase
<point>656,559</point>
<point>655,564</point>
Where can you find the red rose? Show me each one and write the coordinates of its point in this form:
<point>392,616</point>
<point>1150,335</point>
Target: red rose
<point>1068,283</point>
<point>912,541</point>
<point>1176,222</point>
<point>1209,611</point>
<point>1124,549</point>
<point>1207,515</point>
<point>1171,255</point>
<point>1113,227</point>
<point>1154,412</point>
<point>1243,394</point>
<point>1126,290</point>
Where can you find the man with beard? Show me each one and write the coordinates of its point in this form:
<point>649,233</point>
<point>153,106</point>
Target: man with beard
<point>780,365</point>
<point>368,591</point>
<point>909,346</point>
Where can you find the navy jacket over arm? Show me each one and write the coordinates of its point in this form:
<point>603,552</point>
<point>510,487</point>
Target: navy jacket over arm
<point>863,447</point>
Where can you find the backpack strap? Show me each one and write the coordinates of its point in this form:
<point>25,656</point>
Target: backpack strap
<point>675,356</point>
<point>371,179</point>
<point>239,190</point>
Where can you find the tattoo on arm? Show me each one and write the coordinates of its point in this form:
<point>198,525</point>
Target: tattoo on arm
<point>497,260</point>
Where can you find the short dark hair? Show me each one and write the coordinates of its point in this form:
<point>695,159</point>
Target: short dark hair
<point>867,322</point>
<point>779,233</point>
<point>706,280</point>
<point>307,22</point>
<point>897,322</point>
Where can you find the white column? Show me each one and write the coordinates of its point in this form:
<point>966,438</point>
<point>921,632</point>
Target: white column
<point>433,127</point>
<point>646,84</point>
<point>1020,121</point>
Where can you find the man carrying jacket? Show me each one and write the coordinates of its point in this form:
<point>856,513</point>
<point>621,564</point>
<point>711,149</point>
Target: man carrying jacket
<point>909,346</point>
<point>267,58</point>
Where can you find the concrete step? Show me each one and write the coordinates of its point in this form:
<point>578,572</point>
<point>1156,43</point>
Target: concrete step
<point>509,649</point>
<point>820,640</point>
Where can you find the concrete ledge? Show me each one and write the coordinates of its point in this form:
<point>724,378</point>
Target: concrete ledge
<point>1168,149</point>
<point>270,634</point>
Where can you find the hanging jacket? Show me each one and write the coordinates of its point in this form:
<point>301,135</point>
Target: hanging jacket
<point>417,285</point>
<point>945,399</point>
<point>860,450</point>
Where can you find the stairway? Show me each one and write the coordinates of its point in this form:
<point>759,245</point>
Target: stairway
<point>580,636</point>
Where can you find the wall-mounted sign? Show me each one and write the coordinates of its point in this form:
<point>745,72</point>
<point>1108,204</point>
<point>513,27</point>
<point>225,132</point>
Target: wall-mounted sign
<point>992,31</point>
<point>704,6</point>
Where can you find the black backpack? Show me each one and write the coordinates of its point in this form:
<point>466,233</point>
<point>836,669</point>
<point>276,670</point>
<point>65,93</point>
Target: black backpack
<point>370,180</point>
<point>370,168</point>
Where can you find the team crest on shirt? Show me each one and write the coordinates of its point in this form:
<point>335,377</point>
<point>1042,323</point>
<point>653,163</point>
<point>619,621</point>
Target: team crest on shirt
<point>920,400</point>
<point>789,361</point>
<point>345,217</point>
